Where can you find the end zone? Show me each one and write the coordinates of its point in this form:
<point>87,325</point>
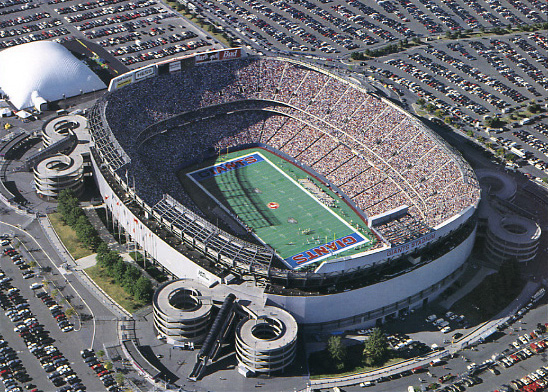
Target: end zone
<point>323,251</point>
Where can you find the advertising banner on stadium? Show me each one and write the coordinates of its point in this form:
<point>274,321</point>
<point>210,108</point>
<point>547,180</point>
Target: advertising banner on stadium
<point>230,54</point>
<point>411,245</point>
<point>207,57</point>
<point>174,66</point>
<point>146,72</point>
<point>121,81</point>
<point>217,55</point>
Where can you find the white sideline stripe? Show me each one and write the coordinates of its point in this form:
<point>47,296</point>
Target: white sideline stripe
<point>366,240</point>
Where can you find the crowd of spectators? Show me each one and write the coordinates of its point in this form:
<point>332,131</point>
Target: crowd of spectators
<point>374,153</point>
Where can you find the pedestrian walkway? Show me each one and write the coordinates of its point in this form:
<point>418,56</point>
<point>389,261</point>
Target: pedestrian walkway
<point>90,285</point>
<point>103,232</point>
<point>107,237</point>
<point>473,278</point>
<point>88,261</point>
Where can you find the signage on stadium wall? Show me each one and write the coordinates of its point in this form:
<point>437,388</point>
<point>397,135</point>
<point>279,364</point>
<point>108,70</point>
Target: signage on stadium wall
<point>411,245</point>
<point>217,55</point>
<point>146,72</point>
<point>120,81</point>
<point>174,66</point>
<point>207,57</point>
<point>230,54</point>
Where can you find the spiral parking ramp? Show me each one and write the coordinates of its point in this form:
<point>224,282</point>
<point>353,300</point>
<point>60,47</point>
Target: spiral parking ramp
<point>268,342</point>
<point>59,172</point>
<point>182,311</point>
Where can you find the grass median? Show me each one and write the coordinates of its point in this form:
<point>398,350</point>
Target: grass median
<point>68,237</point>
<point>114,290</point>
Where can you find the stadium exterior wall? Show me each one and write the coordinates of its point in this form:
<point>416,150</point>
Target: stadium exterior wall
<point>366,305</point>
<point>384,254</point>
<point>170,258</point>
<point>369,304</point>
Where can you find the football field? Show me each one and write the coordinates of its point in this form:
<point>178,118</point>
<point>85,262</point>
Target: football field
<point>265,193</point>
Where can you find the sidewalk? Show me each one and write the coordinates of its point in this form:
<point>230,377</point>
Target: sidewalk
<point>51,235</point>
<point>109,239</point>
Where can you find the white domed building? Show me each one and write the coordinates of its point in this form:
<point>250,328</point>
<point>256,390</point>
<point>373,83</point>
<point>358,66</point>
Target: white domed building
<point>33,74</point>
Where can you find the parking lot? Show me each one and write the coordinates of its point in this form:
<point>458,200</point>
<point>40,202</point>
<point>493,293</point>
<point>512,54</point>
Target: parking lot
<point>134,32</point>
<point>469,81</point>
<point>40,343</point>
<point>332,28</point>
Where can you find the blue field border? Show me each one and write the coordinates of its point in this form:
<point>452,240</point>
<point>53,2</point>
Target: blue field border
<point>221,168</point>
<point>320,252</point>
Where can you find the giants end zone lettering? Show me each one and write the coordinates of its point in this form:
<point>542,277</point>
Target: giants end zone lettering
<point>230,54</point>
<point>216,170</point>
<point>325,250</point>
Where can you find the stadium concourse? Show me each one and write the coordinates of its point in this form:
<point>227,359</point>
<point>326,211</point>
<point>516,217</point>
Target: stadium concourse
<point>408,187</point>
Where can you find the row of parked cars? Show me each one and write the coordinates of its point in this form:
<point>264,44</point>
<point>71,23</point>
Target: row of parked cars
<point>17,260</point>
<point>444,325</point>
<point>56,310</point>
<point>104,374</point>
<point>12,370</point>
<point>36,338</point>
<point>535,381</point>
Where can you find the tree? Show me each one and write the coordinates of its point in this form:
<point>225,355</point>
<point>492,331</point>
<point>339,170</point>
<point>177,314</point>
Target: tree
<point>375,349</point>
<point>70,312</point>
<point>108,365</point>
<point>100,353</point>
<point>86,232</point>
<point>68,207</point>
<point>534,107</point>
<point>119,270</point>
<point>102,250</point>
<point>142,290</point>
<point>131,275</point>
<point>54,293</point>
<point>337,351</point>
<point>119,377</point>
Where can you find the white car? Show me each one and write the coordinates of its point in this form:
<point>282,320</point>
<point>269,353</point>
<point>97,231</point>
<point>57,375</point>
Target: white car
<point>36,286</point>
<point>446,329</point>
<point>439,321</point>
<point>431,318</point>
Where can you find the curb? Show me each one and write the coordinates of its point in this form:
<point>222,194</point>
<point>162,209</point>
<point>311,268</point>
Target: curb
<point>46,231</point>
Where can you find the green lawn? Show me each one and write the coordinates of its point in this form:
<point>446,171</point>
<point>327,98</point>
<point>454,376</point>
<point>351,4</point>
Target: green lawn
<point>115,291</point>
<point>298,223</point>
<point>68,237</point>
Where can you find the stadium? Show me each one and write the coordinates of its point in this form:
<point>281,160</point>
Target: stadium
<point>338,206</point>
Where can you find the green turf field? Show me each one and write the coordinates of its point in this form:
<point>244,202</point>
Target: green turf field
<point>268,197</point>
